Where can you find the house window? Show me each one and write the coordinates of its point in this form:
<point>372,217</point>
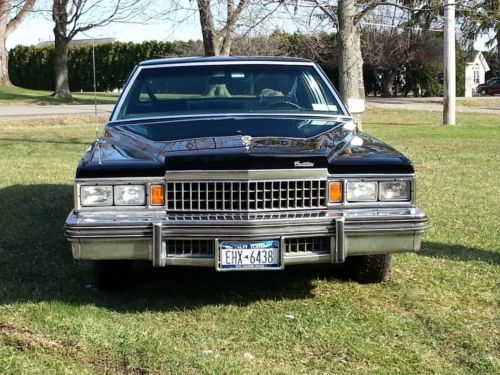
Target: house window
<point>476,76</point>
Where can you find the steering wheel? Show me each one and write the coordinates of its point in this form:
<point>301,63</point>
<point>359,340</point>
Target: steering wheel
<point>284,102</point>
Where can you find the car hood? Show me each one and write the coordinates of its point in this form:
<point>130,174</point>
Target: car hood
<point>242,143</point>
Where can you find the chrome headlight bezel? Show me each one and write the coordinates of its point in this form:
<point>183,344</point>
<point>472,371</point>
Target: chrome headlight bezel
<point>120,190</point>
<point>353,193</point>
<point>89,191</point>
<point>384,194</point>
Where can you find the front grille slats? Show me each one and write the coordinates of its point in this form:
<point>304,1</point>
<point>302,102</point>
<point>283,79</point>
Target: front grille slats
<point>307,245</point>
<point>264,195</point>
<point>190,247</point>
<point>206,247</point>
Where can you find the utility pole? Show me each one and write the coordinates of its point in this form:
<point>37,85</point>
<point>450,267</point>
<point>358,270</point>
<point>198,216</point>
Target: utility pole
<point>450,90</point>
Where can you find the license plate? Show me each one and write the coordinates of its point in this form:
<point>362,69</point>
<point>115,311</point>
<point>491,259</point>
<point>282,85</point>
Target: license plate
<point>244,255</point>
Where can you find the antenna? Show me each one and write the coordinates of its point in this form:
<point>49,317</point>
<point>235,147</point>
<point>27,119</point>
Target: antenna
<point>95,91</point>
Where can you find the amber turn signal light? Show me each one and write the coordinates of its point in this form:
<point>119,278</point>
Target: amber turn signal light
<point>335,192</point>
<point>157,195</point>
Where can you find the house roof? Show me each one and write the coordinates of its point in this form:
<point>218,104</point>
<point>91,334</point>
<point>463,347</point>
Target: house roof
<point>477,58</point>
<point>79,42</point>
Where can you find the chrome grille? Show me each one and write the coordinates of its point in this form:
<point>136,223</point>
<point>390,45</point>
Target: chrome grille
<point>307,245</point>
<point>246,195</point>
<point>190,247</point>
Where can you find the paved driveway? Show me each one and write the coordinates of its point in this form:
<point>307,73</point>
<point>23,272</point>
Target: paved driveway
<point>485,104</point>
<point>32,111</point>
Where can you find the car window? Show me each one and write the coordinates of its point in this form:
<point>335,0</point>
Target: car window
<point>213,89</point>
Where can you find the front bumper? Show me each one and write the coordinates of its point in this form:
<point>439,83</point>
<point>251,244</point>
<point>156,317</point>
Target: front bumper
<point>306,237</point>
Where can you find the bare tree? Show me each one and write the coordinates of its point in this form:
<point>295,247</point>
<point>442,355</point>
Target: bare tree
<point>72,17</point>
<point>223,21</point>
<point>11,16</point>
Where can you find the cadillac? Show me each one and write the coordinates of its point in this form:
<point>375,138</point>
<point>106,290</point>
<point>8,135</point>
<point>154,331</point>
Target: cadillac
<point>240,163</point>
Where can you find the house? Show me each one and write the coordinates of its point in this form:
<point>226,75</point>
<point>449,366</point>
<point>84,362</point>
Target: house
<point>475,69</point>
<point>80,42</point>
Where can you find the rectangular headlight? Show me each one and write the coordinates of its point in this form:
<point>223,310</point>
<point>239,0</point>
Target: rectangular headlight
<point>96,195</point>
<point>130,195</point>
<point>361,191</point>
<point>394,190</point>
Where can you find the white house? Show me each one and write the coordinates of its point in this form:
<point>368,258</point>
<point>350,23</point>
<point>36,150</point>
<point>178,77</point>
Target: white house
<point>474,73</point>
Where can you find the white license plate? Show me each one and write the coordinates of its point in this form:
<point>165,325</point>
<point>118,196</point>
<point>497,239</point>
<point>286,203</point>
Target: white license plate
<point>242,255</point>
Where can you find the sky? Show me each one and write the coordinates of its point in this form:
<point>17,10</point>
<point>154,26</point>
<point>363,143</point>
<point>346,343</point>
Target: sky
<point>36,29</point>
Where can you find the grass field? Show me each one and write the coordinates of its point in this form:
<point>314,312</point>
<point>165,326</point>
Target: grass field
<point>439,314</point>
<point>18,95</point>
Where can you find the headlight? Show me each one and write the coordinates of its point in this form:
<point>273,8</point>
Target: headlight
<point>130,195</point>
<point>361,191</point>
<point>394,191</point>
<point>96,195</point>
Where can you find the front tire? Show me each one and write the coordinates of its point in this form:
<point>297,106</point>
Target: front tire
<point>483,92</point>
<point>112,274</point>
<point>369,269</point>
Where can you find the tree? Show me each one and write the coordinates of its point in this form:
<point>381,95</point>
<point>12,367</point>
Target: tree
<point>481,17</point>
<point>12,15</point>
<point>72,17</point>
<point>223,21</point>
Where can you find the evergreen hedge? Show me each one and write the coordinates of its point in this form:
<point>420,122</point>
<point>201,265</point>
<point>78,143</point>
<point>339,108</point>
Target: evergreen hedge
<point>32,67</point>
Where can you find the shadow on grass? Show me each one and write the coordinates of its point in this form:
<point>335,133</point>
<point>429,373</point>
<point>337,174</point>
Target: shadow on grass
<point>458,252</point>
<point>36,265</point>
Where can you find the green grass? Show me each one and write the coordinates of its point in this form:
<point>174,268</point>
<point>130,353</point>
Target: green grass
<point>19,96</point>
<point>438,314</point>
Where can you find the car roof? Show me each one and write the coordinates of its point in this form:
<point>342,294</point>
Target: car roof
<point>181,60</point>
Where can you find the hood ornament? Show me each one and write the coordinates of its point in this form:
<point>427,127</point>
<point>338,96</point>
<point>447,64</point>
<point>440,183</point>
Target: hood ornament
<point>246,140</point>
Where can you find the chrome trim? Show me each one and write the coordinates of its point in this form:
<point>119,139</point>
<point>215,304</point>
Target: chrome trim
<point>146,181</point>
<point>339,255</point>
<point>246,195</point>
<point>159,253</point>
<point>246,174</point>
<point>139,68</point>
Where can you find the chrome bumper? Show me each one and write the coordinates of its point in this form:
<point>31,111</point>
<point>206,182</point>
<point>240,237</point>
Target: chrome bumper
<point>126,235</point>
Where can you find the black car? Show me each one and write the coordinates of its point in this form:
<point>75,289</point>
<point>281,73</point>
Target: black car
<point>240,164</point>
<point>491,87</point>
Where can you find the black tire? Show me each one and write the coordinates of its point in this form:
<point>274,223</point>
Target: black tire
<point>483,92</point>
<point>113,274</point>
<point>368,269</point>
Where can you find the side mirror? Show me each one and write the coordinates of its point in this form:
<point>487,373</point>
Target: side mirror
<point>356,105</point>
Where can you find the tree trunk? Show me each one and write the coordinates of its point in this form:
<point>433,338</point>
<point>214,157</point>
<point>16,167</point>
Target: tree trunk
<point>388,83</point>
<point>498,51</point>
<point>4,64</point>
<point>4,54</point>
<point>8,25</point>
<point>61,69</point>
<point>60,17</point>
<point>207,28</point>
<point>350,60</point>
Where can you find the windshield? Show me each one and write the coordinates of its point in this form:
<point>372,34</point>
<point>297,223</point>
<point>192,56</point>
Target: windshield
<point>219,89</point>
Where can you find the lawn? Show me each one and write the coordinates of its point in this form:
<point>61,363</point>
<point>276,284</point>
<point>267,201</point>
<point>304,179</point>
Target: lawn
<point>439,314</point>
<point>20,96</point>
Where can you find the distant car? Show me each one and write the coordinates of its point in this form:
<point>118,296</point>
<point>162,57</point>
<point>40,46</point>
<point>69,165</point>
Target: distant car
<point>491,87</point>
<point>240,164</point>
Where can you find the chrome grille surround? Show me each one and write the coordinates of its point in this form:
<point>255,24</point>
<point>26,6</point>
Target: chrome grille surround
<point>247,195</point>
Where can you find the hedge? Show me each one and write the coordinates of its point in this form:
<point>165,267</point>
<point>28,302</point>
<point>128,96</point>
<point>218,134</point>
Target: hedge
<point>32,67</point>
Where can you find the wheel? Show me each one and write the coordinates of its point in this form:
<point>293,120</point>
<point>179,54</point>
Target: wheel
<point>483,92</point>
<point>368,269</point>
<point>112,274</point>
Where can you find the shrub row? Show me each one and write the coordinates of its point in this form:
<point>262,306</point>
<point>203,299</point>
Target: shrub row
<point>32,67</point>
